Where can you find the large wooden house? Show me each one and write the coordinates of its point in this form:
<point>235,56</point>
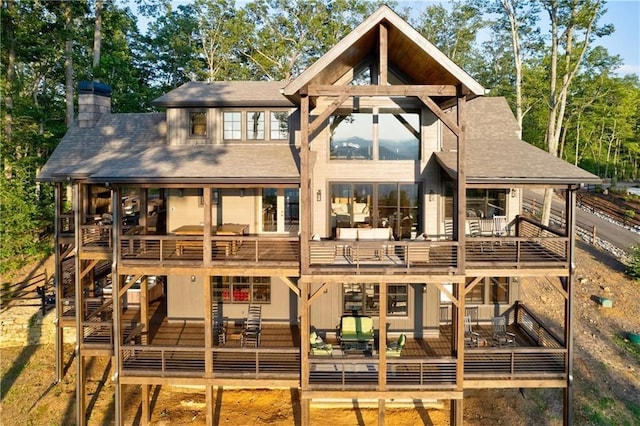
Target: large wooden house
<point>285,234</point>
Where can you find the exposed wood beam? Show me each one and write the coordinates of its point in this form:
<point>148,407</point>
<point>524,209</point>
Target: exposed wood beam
<point>408,126</point>
<point>291,285</point>
<point>383,54</point>
<point>410,90</point>
<point>429,103</point>
<point>377,394</point>
<point>560,288</point>
<point>472,284</point>
<point>317,293</point>
<point>89,267</point>
<point>447,293</point>
<point>128,285</point>
<point>320,119</point>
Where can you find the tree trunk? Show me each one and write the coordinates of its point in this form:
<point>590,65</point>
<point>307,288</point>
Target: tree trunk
<point>68,64</point>
<point>11,75</point>
<point>97,36</point>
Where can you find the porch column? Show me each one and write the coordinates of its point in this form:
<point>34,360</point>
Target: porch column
<point>458,335</point>
<point>304,350</point>
<point>80,402</point>
<point>58,281</point>
<point>382,350</point>
<point>146,413</point>
<point>568,326</point>
<point>116,283</point>
<point>206,244</point>
<point>305,190</point>
<point>462,180</point>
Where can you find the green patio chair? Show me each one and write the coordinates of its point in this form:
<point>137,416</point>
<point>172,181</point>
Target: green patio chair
<point>318,346</point>
<point>395,349</point>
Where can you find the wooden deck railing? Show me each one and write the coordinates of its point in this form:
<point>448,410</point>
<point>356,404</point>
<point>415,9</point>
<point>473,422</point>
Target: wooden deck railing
<point>511,363</point>
<point>256,363</point>
<point>398,255</point>
<point>189,249</point>
<point>409,373</point>
<point>535,329</point>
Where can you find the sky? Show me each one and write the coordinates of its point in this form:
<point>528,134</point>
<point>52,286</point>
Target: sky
<point>623,14</point>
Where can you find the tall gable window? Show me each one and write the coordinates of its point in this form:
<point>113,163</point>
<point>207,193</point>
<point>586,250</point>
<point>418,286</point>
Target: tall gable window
<point>255,125</point>
<point>279,125</point>
<point>375,136</point>
<point>198,123</point>
<point>232,126</point>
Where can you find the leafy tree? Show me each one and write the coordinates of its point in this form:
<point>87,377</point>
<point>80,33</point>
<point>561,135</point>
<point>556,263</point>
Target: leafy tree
<point>453,29</point>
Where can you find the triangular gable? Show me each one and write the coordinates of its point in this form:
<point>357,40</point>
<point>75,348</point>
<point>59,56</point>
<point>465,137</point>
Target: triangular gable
<point>407,50</point>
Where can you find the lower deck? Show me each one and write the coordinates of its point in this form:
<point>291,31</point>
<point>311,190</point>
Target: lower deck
<point>176,350</point>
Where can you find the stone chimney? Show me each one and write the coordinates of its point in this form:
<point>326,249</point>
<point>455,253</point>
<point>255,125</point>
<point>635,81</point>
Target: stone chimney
<point>94,100</point>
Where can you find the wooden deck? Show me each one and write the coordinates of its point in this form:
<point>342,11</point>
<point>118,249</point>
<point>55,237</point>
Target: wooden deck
<point>177,349</point>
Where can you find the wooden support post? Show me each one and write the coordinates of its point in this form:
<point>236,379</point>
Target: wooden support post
<point>456,412</point>
<point>304,349</point>
<point>210,405</point>
<point>461,206</point>
<point>59,286</point>
<point>144,308</point>
<point>146,412</point>
<point>305,411</point>
<point>381,411</point>
<point>206,244</point>
<point>80,400</point>
<point>571,226</point>
<point>117,282</point>
<point>382,338</point>
<point>208,326</point>
<point>305,181</point>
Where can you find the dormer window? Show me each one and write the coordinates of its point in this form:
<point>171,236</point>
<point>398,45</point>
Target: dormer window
<point>255,125</point>
<point>198,123</point>
<point>279,125</point>
<point>232,125</point>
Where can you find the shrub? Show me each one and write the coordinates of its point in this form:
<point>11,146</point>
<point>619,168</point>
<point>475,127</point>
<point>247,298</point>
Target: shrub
<point>634,262</point>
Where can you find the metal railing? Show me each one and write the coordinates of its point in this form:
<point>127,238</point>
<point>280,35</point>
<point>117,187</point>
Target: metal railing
<point>172,248</point>
<point>410,373</point>
<point>256,363</point>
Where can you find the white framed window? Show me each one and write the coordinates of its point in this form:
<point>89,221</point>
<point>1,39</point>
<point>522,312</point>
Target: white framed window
<point>279,125</point>
<point>255,125</point>
<point>232,125</point>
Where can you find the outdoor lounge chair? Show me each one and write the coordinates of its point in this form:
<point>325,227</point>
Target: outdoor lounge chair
<point>395,349</point>
<point>471,338</point>
<point>476,231</point>
<point>318,346</point>
<point>356,333</point>
<point>500,334</point>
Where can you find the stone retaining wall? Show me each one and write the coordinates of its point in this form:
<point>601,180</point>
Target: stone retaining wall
<point>22,325</point>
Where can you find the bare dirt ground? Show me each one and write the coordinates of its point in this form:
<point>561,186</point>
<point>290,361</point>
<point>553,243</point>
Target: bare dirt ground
<point>606,375</point>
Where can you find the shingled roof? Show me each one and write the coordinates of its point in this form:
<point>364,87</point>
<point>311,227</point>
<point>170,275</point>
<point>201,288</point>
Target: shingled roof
<point>495,154</point>
<point>227,94</point>
<point>133,148</point>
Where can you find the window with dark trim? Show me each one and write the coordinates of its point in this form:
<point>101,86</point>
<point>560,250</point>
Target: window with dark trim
<point>364,299</point>
<point>242,289</point>
<point>197,123</point>
<point>380,205</point>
